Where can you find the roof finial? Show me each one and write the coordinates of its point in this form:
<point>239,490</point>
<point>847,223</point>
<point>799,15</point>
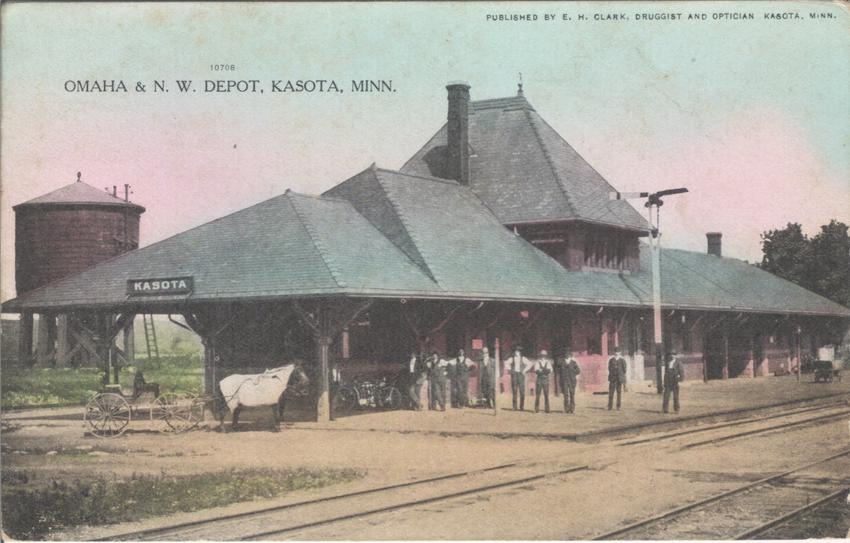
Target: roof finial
<point>79,174</point>
<point>519,85</point>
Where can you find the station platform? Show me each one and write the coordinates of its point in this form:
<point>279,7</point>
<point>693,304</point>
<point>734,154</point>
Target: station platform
<point>701,403</point>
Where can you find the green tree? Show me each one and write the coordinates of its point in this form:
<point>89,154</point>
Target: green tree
<point>788,254</point>
<point>820,264</point>
<point>831,248</point>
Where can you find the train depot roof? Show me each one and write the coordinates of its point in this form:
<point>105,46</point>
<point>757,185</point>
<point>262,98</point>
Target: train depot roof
<point>383,233</point>
<point>525,171</point>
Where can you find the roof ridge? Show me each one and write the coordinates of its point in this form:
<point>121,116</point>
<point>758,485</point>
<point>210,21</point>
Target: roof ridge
<point>420,176</point>
<point>314,237</point>
<point>494,103</point>
<point>405,224</point>
<point>319,196</point>
<point>548,156</point>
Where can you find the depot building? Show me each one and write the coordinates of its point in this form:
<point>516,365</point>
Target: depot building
<point>495,233</point>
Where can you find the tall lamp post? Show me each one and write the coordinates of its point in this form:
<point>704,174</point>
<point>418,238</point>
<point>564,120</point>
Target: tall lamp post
<point>653,200</point>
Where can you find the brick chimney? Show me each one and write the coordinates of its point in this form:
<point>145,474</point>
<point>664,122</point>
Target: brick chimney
<point>457,152</point>
<point>714,243</point>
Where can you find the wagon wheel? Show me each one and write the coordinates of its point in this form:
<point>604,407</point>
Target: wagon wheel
<point>107,415</point>
<point>179,412</point>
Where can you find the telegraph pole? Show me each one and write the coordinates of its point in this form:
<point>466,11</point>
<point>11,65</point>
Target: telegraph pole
<point>654,201</point>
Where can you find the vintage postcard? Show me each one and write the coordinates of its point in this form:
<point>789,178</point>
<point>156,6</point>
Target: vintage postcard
<point>425,271</point>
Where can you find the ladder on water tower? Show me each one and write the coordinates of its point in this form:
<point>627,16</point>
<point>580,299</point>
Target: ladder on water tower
<point>150,337</point>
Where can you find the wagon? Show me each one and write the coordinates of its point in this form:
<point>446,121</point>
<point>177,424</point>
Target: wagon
<point>826,371</point>
<point>109,412</point>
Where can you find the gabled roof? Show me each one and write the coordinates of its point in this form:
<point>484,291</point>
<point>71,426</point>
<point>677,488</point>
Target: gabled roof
<point>383,233</point>
<point>290,245</point>
<point>77,193</point>
<point>701,280</point>
<point>459,242</point>
<point>524,171</point>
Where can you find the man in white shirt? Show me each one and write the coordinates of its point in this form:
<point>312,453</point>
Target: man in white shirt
<point>518,365</point>
<point>543,367</point>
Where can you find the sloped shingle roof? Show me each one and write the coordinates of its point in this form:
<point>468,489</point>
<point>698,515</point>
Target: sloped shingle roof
<point>525,171</point>
<point>384,233</point>
<point>77,193</point>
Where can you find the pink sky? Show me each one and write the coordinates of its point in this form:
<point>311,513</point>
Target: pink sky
<point>751,117</point>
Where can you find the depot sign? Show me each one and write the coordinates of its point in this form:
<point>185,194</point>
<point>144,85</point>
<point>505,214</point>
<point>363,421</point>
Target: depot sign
<point>160,287</point>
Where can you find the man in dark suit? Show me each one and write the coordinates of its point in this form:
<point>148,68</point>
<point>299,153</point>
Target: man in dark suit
<point>674,372</point>
<point>542,367</point>
<point>437,373</point>
<point>518,365</point>
<point>415,376</point>
<point>460,379</point>
<point>616,377</point>
<point>568,369</point>
<point>488,378</point>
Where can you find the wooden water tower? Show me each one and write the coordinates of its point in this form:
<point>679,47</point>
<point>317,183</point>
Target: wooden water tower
<point>59,234</point>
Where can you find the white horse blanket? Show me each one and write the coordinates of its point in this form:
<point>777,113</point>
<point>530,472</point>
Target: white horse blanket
<point>255,390</point>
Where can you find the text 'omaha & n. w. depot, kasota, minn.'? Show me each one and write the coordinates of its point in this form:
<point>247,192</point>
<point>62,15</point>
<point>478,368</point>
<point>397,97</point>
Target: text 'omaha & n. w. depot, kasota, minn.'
<point>188,86</point>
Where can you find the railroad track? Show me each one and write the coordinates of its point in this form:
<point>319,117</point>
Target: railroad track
<point>770,428</point>
<point>285,519</point>
<point>721,425</point>
<point>820,519</point>
<point>745,511</point>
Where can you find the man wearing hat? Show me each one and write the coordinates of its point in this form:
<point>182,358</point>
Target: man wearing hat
<point>415,373</point>
<point>568,369</point>
<point>460,379</point>
<point>518,365</point>
<point>543,367</point>
<point>437,373</point>
<point>616,377</point>
<point>488,378</point>
<point>674,372</point>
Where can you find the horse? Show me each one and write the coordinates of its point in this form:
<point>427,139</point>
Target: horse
<point>264,389</point>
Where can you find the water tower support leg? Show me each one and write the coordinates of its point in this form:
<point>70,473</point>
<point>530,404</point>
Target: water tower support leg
<point>25,340</point>
<point>42,350</point>
<point>62,341</point>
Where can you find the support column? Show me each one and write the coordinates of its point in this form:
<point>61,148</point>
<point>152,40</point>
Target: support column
<point>25,340</point>
<point>62,347</point>
<point>43,348</point>
<point>497,373</point>
<point>725,353</point>
<point>130,343</point>
<point>323,406</point>
<point>751,353</point>
<point>603,347</point>
<point>209,366</point>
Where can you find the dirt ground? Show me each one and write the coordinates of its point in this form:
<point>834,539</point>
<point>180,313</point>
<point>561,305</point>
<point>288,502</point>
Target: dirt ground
<point>624,483</point>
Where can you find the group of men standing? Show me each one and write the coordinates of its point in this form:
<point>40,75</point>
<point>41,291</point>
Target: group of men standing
<point>566,368</point>
<point>440,372</point>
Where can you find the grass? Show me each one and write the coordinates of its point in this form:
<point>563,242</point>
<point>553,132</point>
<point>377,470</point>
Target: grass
<point>41,387</point>
<point>34,513</point>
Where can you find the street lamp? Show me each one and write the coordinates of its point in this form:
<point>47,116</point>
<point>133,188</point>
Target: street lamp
<point>653,200</point>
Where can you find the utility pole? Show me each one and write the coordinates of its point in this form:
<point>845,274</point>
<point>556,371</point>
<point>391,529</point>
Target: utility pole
<point>654,201</point>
